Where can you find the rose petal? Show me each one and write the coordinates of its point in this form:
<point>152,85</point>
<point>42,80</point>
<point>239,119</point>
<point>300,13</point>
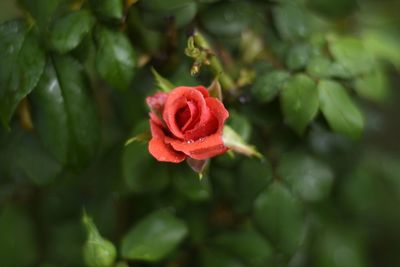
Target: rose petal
<point>178,99</point>
<point>202,90</point>
<point>204,148</point>
<point>218,110</point>
<point>184,115</point>
<point>156,119</point>
<point>161,150</point>
<point>156,102</point>
<point>217,116</point>
<point>192,117</point>
<point>203,129</point>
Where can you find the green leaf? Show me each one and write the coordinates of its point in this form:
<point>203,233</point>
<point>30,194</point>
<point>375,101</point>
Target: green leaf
<point>115,59</point>
<point>299,102</point>
<point>64,114</point>
<point>383,44</point>
<point>256,252</point>
<point>108,9</point>
<point>17,243</point>
<point>298,56</point>
<point>373,86</point>
<point>319,67</point>
<point>23,155</point>
<point>339,248</point>
<point>254,176</point>
<point>369,198</point>
<point>235,142</point>
<point>292,20</point>
<point>156,11</point>
<point>196,220</point>
<point>182,14</point>
<point>338,108</point>
<point>21,65</point>
<point>351,54</point>
<point>162,83</point>
<point>279,216</point>
<point>164,5</point>
<point>153,237</point>
<point>334,9</point>
<point>337,70</point>
<point>140,171</point>
<point>308,177</point>
<point>212,257</point>
<point>240,124</point>
<point>227,19</point>
<point>190,186</point>
<point>224,180</point>
<point>267,86</point>
<point>41,10</point>
<point>69,30</point>
<point>65,241</point>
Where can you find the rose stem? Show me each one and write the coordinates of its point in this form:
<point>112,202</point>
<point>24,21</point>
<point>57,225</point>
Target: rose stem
<point>215,64</point>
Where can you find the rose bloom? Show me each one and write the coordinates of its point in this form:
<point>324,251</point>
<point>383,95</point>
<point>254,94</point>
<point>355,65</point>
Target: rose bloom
<point>186,123</point>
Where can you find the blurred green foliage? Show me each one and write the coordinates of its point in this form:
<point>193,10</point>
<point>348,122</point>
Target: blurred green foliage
<point>311,83</point>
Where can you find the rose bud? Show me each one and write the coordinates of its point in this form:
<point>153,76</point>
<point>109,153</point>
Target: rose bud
<point>97,251</point>
<point>186,123</point>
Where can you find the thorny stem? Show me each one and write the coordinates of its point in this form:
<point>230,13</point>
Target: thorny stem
<point>215,65</point>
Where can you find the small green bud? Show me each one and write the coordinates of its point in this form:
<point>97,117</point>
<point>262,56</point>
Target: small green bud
<point>97,251</point>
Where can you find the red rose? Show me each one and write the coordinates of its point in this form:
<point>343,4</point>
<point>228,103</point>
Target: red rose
<point>186,123</point>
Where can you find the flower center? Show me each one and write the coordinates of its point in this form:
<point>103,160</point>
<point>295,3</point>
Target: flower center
<point>187,116</point>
